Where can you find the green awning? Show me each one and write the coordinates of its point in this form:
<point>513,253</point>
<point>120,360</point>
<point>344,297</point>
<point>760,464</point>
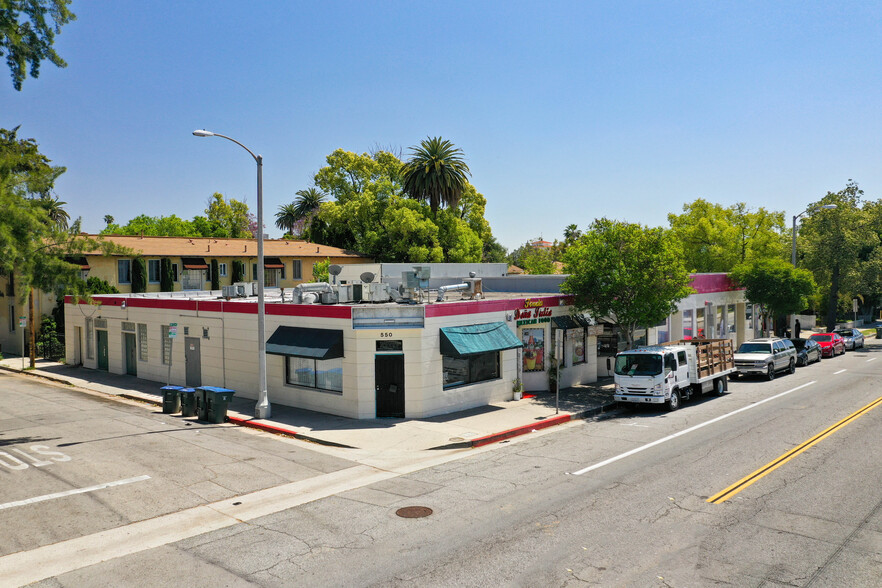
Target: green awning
<point>304,342</point>
<point>474,339</point>
<point>576,321</point>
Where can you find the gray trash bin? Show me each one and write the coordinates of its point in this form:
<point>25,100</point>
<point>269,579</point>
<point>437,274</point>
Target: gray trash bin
<point>188,402</point>
<point>879,332</point>
<point>213,403</point>
<point>171,399</point>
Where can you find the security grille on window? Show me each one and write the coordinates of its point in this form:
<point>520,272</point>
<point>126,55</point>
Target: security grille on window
<point>142,342</point>
<point>100,323</point>
<point>90,335</point>
<point>128,327</point>
<point>166,345</point>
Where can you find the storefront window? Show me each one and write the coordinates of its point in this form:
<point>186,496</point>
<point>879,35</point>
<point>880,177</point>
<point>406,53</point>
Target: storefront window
<point>324,374</point>
<point>663,330</point>
<point>534,349</point>
<point>688,326</point>
<point>577,343</point>
<point>730,319</point>
<point>699,323</point>
<point>458,371</point>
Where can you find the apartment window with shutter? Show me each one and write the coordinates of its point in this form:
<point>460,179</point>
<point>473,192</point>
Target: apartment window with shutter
<point>124,271</point>
<point>296,274</point>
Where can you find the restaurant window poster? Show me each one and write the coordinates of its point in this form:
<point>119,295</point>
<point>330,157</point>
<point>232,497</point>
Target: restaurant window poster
<point>534,349</point>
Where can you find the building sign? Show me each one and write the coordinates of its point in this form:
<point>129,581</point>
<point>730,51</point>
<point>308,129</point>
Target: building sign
<point>532,316</point>
<point>173,330</point>
<point>534,349</point>
<point>22,321</point>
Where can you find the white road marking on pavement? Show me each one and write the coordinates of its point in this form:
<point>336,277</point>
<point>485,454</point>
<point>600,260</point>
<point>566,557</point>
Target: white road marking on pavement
<point>839,372</point>
<point>26,567</point>
<point>74,491</point>
<point>683,432</point>
<point>633,425</point>
<point>871,359</point>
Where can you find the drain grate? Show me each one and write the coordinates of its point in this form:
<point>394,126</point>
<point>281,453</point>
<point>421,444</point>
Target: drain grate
<point>414,512</point>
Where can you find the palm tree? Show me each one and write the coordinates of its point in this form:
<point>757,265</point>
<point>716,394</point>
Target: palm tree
<point>54,211</point>
<point>308,201</point>
<point>286,218</point>
<point>108,219</point>
<point>436,172</point>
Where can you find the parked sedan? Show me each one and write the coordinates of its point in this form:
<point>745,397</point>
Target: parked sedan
<point>853,338</point>
<point>831,344</point>
<point>807,351</point>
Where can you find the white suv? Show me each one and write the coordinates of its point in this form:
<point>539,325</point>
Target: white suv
<point>765,357</point>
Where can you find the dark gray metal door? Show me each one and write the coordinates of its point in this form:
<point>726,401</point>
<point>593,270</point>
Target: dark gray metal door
<point>131,360</point>
<point>389,378</point>
<point>101,340</point>
<point>193,361</point>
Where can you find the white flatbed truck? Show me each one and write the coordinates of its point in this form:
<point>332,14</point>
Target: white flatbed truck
<point>672,372</point>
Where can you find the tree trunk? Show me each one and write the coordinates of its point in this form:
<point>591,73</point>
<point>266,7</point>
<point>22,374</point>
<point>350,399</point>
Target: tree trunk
<point>33,330</point>
<point>833,302</point>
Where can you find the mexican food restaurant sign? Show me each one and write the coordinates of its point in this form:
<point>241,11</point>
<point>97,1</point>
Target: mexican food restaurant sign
<point>533,313</point>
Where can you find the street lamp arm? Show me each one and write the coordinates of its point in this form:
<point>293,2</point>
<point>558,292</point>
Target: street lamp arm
<point>204,133</point>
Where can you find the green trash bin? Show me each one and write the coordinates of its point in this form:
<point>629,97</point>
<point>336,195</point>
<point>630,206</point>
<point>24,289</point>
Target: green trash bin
<point>171,399</point>
<point>213,403</point>
<point>188,401</point>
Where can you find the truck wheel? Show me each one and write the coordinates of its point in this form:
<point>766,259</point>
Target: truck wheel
<point>770,372</point>
<point>792,366</point>
<point>719,386</point>
<point>674,403</point>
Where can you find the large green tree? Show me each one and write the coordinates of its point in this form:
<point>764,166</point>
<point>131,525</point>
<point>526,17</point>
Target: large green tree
<point>717,238</point>
<point>228,219</point>
<point>835,244</point>
<point>33,244</point>
<point>631,274</point>
<point>370,214</point>
<point>27,35</point>
<point>436,173</point>
<point>775,285</point>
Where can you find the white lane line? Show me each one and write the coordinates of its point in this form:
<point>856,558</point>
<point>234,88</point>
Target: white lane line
<point>839,372</point>
<point>871,359</point>
<point>72,492</point>
<point>26,567</point>
<point>683,432</point>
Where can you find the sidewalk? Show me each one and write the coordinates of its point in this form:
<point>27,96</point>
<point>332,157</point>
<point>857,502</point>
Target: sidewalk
<point>459,430</point>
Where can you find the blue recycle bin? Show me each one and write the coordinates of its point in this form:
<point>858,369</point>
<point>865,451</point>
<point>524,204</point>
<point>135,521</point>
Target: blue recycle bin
<point>171,399</point>
<point>188,401</point>
<point>212,403</point>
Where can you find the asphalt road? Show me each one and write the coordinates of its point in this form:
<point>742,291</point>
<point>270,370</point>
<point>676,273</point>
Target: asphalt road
<point>622,501</point>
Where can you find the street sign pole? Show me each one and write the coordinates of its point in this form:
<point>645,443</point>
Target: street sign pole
<point>172,333</point>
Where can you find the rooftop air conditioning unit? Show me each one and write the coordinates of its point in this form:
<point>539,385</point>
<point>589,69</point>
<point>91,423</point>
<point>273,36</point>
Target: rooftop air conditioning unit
<point>245,288</point>
<point>229,291</point>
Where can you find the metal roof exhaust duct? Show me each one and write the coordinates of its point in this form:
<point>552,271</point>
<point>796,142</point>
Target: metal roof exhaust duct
<point>298,295</point>
<point>472,284</point>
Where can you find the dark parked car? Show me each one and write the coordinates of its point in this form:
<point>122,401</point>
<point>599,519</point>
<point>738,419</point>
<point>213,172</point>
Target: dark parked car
<point>853,338</point>
<point>831,344</point>
<point>807,351</point>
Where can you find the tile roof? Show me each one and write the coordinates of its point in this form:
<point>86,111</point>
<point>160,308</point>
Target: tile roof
<point>212,247</point>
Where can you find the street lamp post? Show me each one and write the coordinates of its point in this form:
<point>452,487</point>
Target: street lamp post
<point>793,250</point>
<point>262,410</point>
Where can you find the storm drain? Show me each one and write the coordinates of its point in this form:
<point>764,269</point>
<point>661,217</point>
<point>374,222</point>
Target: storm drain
<point>414,512</point>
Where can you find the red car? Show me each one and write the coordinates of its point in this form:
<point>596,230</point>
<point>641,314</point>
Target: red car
<point>831,344</point>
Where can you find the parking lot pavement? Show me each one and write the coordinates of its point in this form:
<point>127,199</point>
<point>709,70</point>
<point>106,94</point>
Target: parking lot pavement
<point>73,465</point>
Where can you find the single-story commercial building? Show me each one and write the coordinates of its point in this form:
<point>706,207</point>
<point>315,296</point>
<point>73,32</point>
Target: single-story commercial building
<point>408,352</point>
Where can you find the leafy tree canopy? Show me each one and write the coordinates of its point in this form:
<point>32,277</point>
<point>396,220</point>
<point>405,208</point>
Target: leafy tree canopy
<point>839,244</point>
<point>717,238</point>
<point>27,35</point>
<point>370,214</point>
<point>775,285</point>
<point>629,273</point>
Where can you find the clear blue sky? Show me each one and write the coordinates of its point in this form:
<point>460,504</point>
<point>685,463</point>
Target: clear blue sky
<point>566,111</point>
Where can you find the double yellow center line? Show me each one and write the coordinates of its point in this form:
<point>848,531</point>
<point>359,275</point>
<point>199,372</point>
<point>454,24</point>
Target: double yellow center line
<point>743,483</point>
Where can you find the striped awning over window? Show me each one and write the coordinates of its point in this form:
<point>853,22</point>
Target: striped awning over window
<point>273,263</point>
<point>194,263</point>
